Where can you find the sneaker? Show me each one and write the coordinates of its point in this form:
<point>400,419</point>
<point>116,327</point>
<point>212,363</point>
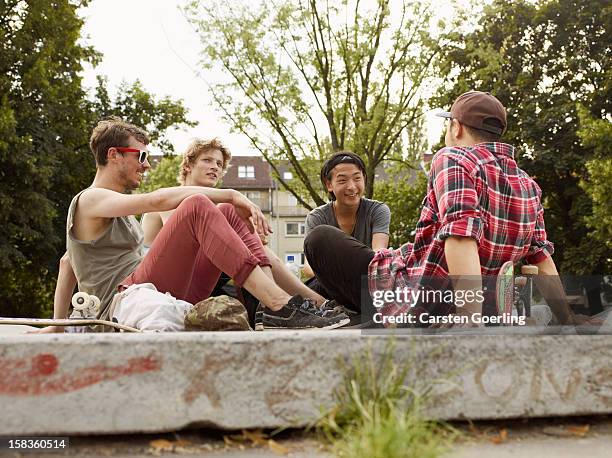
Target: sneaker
<point>299,313</point>
<point>332,307</point>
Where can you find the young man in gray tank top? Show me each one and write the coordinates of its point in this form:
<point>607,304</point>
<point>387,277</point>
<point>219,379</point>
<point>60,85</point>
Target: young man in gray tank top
<point>105,242</point>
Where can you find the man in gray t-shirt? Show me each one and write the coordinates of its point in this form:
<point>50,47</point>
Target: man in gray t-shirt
<point>367,221</point>
<point>372,217</point>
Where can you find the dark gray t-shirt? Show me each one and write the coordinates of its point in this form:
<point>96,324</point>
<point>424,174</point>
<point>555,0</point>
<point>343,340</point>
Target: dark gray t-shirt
<point>372,217</point>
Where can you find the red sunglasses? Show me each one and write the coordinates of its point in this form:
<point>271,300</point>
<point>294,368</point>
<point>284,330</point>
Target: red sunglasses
<point>142,153</point>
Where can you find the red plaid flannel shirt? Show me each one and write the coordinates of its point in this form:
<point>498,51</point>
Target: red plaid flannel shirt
<point>476,192</point>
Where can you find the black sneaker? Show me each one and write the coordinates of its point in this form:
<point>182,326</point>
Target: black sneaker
<point>332,307</point>
<point>299,313</point>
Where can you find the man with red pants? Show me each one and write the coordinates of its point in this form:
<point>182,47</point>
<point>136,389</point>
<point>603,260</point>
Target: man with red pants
<point>105,242</point>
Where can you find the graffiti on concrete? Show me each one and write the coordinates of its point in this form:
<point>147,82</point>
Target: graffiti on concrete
<point>540,381</point>
<point>203,381</point>
<point>206,381</point>
<point>288,388</point>
<point>42,374</point>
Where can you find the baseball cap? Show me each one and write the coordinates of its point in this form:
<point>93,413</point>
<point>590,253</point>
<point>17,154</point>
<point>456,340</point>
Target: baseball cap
<point>479,110</point>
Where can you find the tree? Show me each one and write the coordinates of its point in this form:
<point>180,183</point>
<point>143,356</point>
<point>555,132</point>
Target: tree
<point>135,104</point>
<point>42,106</point>
<point>597,133</point>
<point>45,123</point>
<point>310,77</point>
<point>164,175</point>
<point>540,59</point>
<point>403,192</point>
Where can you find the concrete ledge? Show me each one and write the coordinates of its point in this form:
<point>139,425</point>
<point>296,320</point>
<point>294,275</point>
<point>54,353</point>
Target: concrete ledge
<point>96,384</point>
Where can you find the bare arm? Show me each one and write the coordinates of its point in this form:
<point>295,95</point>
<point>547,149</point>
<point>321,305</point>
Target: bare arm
<point>104,203</point>
<point>151,225</point>
<point>549,284</point>
<point>464,264</point>
<point>66,282</point>
<point>380,241</point>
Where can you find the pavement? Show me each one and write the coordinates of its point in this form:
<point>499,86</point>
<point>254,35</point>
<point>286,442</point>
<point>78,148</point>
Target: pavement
<point>559,437</point>
<point>84,384</point>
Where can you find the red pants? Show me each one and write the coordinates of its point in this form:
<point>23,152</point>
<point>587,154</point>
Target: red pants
<point>198,242</point>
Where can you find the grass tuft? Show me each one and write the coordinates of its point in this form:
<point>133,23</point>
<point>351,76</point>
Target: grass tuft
<point>377,415</point>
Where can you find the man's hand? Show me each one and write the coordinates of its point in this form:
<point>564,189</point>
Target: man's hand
<point>47,330</point>
<point>262,237</point>
<point>549,284</point>
<point>251,213</point>
<point>584,320</point>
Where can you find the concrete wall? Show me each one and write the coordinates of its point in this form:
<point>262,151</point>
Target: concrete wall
<point>89,384</point>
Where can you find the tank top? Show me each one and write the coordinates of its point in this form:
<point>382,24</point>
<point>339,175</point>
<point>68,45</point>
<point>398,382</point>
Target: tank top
<point>101,264</point>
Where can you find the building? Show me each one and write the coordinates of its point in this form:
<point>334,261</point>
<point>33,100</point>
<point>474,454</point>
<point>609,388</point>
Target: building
<point>252,176</point>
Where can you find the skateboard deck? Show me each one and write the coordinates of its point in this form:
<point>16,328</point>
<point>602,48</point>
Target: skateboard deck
<point>67,322</point>
<point>504,289</point>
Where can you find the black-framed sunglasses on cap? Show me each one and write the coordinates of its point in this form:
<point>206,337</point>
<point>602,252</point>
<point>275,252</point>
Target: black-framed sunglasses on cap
<point>143,154</point>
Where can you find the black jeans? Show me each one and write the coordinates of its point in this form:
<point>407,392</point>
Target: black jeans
<point>340,263</point>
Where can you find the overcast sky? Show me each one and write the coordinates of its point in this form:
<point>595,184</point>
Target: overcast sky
<point>150,40</point>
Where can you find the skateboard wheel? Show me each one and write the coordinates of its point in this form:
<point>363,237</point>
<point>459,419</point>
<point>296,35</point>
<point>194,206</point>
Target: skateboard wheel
<point>80,300</point>
<point>95,302</point>
<point>529,270</point>
<point>520,281</point>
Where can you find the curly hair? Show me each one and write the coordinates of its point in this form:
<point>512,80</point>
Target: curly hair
<point>197,147</point>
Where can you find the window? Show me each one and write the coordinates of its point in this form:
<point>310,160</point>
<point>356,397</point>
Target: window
<point>297,258</point>
<point>246,171</point>
<point>292,200</point>
<point>253,195</point>
<point>287,176</point>
<point>295,228</point>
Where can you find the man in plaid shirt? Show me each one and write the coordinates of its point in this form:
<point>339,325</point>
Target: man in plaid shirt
<point>481,210</point>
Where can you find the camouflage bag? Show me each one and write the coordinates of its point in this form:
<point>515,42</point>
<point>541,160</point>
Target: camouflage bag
<point>218,313</point>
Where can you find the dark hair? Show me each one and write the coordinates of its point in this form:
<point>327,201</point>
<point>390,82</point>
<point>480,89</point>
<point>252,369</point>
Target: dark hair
<point>484,135</point>
<point>113,131</point>
<point>342,157</point>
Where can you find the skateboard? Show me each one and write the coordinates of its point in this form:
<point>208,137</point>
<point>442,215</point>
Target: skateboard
<point>67,322</point>
<point>511,292</point>
<point>85,309</point>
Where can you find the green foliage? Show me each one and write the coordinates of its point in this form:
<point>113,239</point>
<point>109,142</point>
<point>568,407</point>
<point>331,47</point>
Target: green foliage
<point>41,126</point>
<point>308,78</point>
<point>164,175</point>
<point>45,123</point>
<point>138,106</point>
<point>540,59</point>
<point>403,192</point>
<point>377,415</point>
<point>396,434</point>
<point>597,133</point>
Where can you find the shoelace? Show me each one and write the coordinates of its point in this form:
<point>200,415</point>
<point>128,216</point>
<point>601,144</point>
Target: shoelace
<point>328,305</point>
<point>308,306</point>
<point>327,308</point>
